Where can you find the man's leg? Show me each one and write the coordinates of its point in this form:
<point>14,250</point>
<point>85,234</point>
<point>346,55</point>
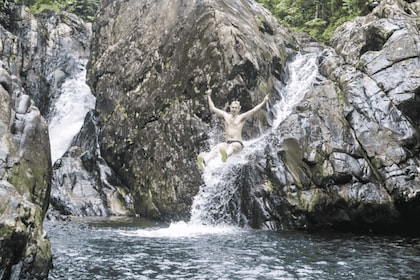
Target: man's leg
<point>233,148</point>
<point>201,162</point>
<point>218,149</point>
<point>223,154</point>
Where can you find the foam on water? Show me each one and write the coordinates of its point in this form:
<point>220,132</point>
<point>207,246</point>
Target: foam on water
<point>68,113</point>
<point>183,229</point>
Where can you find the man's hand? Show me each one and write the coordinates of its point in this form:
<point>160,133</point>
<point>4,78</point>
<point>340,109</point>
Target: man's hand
<point>208,92</point>
<point>266,98</point>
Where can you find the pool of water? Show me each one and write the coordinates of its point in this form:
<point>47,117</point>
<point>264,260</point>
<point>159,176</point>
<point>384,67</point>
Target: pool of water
<point>139,249</point>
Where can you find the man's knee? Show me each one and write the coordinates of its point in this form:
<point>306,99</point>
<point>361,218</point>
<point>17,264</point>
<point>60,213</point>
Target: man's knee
<point>235,148</point>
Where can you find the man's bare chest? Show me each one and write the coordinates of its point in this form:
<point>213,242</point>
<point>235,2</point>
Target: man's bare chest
<point>233,121</point>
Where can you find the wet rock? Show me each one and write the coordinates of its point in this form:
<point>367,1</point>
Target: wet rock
<point>83,184</point>
<point>24,102</point>
<point>25,174</point>
<point>347,156</point>
<point>42,53</point>
<point>365,136</point>
<point>384,123</point>
<point>5,80</point>
<point>41,50</point>
<point>150,86</point>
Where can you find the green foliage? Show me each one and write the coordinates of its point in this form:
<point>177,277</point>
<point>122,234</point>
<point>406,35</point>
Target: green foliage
<point>86,9</point>
<point>319,18</point>
<point>42,5</point>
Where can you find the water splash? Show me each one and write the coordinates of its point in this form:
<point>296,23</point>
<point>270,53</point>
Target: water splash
<point>219,200</point>
<point>211,206</point>
<point>183,230</point>
<point>68,113</point>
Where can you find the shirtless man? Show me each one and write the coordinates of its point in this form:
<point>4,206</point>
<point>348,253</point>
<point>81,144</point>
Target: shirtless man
<point>233,123</point>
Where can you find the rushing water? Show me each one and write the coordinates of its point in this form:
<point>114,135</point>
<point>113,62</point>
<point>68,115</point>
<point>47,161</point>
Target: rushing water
<point>207,248</point>
<point>68,112</point>
<point>135,249</point>
<point>303,72</point>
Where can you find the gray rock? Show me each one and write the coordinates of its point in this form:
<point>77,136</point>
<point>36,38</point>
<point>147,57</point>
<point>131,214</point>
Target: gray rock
<point>5,80</point>
<point>347,156</point>
<point>25,174</point>
<point>366,175</point>
<point>38,50</point>
<point>150,84</point>
<point>24,101</point>
<point>82,182</point>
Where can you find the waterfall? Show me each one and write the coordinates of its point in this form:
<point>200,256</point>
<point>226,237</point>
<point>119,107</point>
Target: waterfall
<point>218,201</point>
<point>303,73</point>
<point>68,112</point>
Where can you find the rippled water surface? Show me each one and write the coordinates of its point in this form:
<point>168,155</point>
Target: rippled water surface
<point>136,249</point>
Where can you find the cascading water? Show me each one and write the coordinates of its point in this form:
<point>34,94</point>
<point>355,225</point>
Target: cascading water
<point>303,73</point>
<point>218,200</point>
<point>69,111</point>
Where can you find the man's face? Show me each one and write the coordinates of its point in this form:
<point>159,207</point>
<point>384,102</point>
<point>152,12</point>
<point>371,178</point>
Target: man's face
<point>235,108</point>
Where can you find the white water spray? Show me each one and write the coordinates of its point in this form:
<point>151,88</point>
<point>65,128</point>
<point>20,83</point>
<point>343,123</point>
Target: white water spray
<point>182,230</point>
<point>68,113</point>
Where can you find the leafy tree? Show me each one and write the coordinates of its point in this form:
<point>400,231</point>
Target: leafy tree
<point>86,9</point>
<point>319,18</point>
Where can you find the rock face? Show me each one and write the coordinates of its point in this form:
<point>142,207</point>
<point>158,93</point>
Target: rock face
<point>25,174</point>
<point>346,157</point>
<point>36,55</point>
<point>25,164</point>
<point>83,184</point>
<point>52,47</point>
<point>350,156</point>
<point>151,62</point>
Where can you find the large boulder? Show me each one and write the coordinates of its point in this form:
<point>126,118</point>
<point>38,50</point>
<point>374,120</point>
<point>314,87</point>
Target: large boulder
<point>349,155</point>
<point>150,64</point>
<point>25,174</point>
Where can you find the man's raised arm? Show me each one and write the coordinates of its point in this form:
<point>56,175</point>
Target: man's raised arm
<point>251,112</point>
<point>213,108</point>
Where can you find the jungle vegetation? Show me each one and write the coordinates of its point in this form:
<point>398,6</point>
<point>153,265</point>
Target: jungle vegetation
<point>86,9</point>
<point>318,18</point>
